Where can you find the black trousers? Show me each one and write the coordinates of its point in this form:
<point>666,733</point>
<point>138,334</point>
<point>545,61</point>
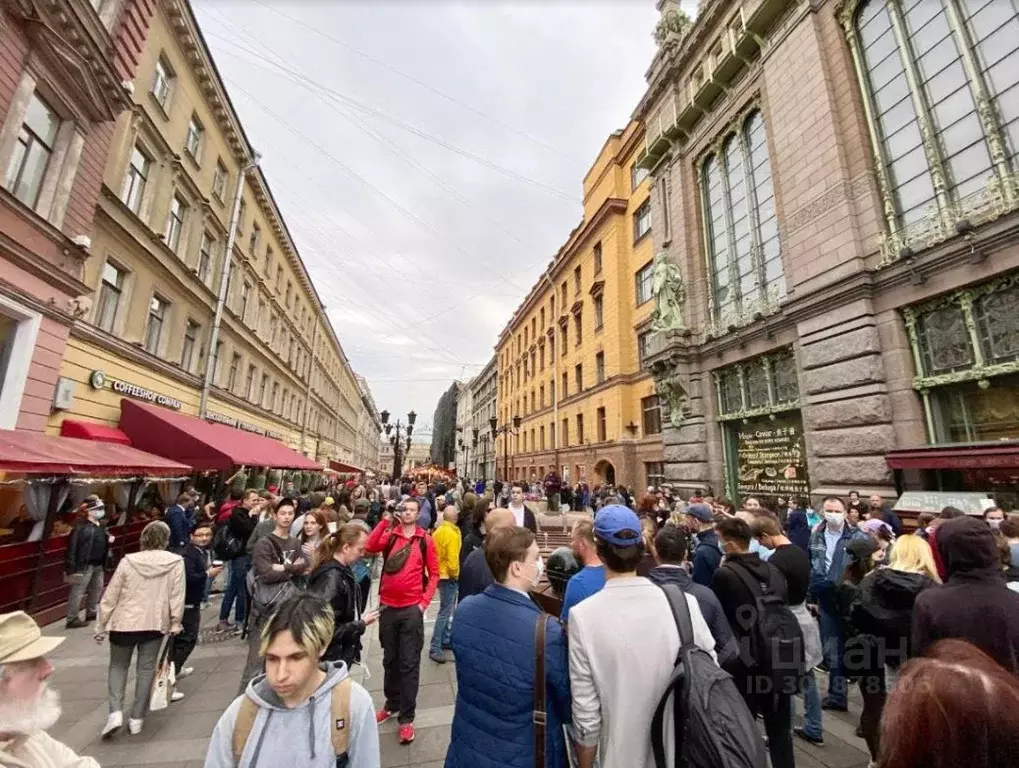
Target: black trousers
<point>365,585</point>
<point>402,634</point>
<point>776,711</point>
<point>186,641</point>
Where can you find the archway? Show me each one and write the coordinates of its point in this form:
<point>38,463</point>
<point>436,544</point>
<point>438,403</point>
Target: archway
<point>606,472</point>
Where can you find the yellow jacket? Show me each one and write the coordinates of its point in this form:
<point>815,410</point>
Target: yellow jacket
<point>447,545</point>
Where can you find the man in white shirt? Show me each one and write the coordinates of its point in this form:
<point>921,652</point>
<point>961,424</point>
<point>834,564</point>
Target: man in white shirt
<point>623,647</point>
<point>523,516</point>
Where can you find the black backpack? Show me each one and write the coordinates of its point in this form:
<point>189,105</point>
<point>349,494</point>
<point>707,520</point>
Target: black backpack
<point>226,546</point>
<point>714,728</point>
<point>777,658</point>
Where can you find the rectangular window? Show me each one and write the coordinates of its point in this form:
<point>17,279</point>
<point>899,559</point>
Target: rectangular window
<point>576,281</point>
<point>599,367</point>
<point>580,429</point>
<point>268,262</point>
<point>109,296</point>
<point>652,415</point>
<point>274,406</point>
<point>175,222</point>
<point>259,311</point>
<point>643,283</point>
<point>289,294</point>
<point>643,346</point>
<point>193,141</point>
<point>578,327</point>
<point>597,258</point>
<point>205,257</point>
<point>255,239</point>
<point>562,295</point>
<point>599,313</point>
<point>245,298</point>
<point>541,436</point>
<point>566,433</point>
<point>249,383</point>
<point>32,152</point>
<point>578,377</point>
<point>134,182</point>
<point>279,278</point>
<point>642,220</point>
<point>219,180</point>
<point>565,387</point>
<point>566,334</point>
<point>187,350</point>
<point>154,329</point>
<point>602,426</point>
<point>655,471</point>
<point>637,175</point>
<point>262,389</point>
<point>235,366</point>
<point>162,82</point>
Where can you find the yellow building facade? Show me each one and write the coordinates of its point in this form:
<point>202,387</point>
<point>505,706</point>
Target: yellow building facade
<point>156,266</point>
<point>572,392</point>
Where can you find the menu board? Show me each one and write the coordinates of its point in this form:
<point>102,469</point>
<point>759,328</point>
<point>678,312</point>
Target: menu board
<point>772,457</point>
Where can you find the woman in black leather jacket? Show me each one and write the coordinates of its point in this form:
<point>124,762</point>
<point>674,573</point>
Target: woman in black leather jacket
<point>333,580</point>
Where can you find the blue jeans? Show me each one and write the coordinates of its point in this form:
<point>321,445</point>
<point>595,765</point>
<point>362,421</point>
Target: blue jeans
<point>444,621</point>
<point>812,707</point>
<point>833,645</point>
<point>236,588</point>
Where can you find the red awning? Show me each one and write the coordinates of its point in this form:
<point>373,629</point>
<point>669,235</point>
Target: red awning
<point>339,466</point>
<point>1000,455</point>
<point>37,454</point>
<point>202,444</point>
<point>86,430</point>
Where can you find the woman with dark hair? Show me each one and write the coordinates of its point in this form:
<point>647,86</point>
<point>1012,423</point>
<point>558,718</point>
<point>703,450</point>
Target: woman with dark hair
<point>953,707</point>
<point>476,537</point>
<point>333,580</point>
<point>313,529</point>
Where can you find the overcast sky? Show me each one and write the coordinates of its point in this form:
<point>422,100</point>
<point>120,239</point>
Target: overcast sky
<point>428,157</point>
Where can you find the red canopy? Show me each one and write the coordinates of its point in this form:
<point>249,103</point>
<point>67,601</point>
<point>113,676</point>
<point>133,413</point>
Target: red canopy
<point>995,455</point>
<point>339,466</point>
<point>202,444</point>
<point>37,454</point>
<point>86,430</point>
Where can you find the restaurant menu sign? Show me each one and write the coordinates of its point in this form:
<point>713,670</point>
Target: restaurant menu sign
<point>772,457</point>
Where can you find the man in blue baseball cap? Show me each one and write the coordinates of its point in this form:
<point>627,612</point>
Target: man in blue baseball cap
<point>623,645</point>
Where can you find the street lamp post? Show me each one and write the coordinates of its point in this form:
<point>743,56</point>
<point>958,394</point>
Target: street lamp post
<point>506,430</point>
<point>393,432</point>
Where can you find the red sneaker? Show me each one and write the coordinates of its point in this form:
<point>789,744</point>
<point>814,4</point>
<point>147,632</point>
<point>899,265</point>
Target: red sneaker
<point>407,733</point>
<point>382,715</point>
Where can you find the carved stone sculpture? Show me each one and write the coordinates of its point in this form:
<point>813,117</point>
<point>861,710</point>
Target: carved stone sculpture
<point>670,295</point>
<point>675,399</point>
<point>673,25</point>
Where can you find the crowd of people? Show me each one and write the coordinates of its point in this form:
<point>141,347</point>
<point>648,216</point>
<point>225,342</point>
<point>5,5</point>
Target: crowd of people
<point>663,600</point>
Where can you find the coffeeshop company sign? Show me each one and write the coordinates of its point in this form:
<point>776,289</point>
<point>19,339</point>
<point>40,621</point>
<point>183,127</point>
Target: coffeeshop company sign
<point>772,457</point>
<point>99,380</point>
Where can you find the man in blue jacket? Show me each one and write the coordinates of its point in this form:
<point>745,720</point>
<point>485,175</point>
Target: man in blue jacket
<point>494,642</point>
<point>180,528</point>
<point>827,564</point>
<point>707,555</point>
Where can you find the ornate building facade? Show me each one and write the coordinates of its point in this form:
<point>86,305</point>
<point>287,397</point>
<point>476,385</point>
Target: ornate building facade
<point>838,185</point>
<point>484,406</point>
<point>573,394</point>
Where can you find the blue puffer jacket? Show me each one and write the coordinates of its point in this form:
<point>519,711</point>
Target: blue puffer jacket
<point>493,639</point>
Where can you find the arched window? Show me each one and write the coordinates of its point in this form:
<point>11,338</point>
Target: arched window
<point>741,229</point>
<point>928,65</point>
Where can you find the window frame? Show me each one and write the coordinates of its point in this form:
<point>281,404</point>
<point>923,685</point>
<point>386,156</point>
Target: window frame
<point>640,280</point>
<point>157,321</point>
<point>219,180</point>
<point>196,131</point>
<point>130,177</point>
<point>172,236</point>
<point>651,415</point>
<point>187,347</point>
<point>12,177</point>
<point>169,78</point>
<point>641,216</point>
<point>105,291</point>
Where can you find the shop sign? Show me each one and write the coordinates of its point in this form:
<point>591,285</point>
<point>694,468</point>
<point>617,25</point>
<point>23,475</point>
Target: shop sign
<point>772,457</point>
<point>99,380</point>
<point>230,421</point>
<point>972,503</point>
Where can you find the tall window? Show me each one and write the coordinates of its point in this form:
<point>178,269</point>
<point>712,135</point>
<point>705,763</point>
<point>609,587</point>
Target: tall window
<point>960,52</point>
<point>637,175</point>
<point>262,389</point>
<point>187,350</point>
<point>154,329</point>
<point>597,258</point>
<point>193,140</point>
<point>742,235</point>
<point>245,299</point>
<point>134,182</point>
<point>205,256</point>
<point>655,471</point>
<point>32,152</point>
<point>580,429</point>
<point>602,426</point>
<point>162,82</point>
<point>175,222</point>
<point>565,387</point>
<point>599,367</point>
<point>578,375</point>
<point>642,220</point>
<point>255,239</point>
<point>651,413</point>
<point>249,383</point>
<point>219,180</point>
<point>642,282</point>
<point>235,365</point>
<point>578,328</point>
<point>576,281</point>
<point>109,296</point>
<point>599,313</point>
<point>643,346</point>
<point>566,433</point>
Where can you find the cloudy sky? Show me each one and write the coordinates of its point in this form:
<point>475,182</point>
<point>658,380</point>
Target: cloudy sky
<point>428,157</point>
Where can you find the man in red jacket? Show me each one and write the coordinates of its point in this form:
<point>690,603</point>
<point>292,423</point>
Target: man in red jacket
<point>410,575</point>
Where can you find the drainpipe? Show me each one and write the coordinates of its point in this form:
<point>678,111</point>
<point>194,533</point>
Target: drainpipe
<point>210,358</point>
<point>307,389</point>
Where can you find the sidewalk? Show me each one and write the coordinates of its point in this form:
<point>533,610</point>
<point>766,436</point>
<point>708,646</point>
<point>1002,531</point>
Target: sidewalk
<point>178,736</point>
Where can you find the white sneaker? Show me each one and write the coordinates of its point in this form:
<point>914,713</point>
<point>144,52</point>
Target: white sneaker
<point>176,696</point>
<point>134,726</point>
<point>113,724</point>
<point>184,672</point>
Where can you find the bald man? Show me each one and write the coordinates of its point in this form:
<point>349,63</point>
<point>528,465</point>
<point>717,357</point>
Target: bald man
<point>475,575</point>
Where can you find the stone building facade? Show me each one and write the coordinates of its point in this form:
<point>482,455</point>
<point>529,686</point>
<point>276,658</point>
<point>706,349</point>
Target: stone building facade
<point>838,183</point>
<point>484,402</point>
<point>63,65</point>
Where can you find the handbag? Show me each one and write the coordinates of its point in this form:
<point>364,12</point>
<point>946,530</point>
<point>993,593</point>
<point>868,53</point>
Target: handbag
<point>165,679</point>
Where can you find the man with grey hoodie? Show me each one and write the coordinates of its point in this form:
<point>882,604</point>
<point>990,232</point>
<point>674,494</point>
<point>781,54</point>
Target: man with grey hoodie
<point>286,716</point>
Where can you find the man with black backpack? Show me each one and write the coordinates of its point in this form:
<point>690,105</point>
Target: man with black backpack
<point>410,576</point>
<point>754,596</point>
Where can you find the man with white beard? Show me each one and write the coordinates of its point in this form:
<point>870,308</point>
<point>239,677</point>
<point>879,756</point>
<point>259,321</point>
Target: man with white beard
<point>28,706</point>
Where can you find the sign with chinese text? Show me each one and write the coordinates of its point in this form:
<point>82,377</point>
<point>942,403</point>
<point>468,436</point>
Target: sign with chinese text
<point>772,457</point>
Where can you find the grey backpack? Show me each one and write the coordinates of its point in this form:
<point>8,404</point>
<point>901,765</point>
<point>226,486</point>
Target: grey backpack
<point>713,725</point>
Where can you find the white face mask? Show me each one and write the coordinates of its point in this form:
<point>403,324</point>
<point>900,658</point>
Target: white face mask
<point>995,524</point>
<point>835,519</point>
<point>99,514</point>
<point>539,569</point>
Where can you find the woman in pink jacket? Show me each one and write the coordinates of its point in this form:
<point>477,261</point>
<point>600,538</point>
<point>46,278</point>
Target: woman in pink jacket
<point>143,603</point>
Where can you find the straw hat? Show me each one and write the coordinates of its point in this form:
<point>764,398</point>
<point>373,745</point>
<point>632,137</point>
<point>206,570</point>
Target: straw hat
<point>22,640</point>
